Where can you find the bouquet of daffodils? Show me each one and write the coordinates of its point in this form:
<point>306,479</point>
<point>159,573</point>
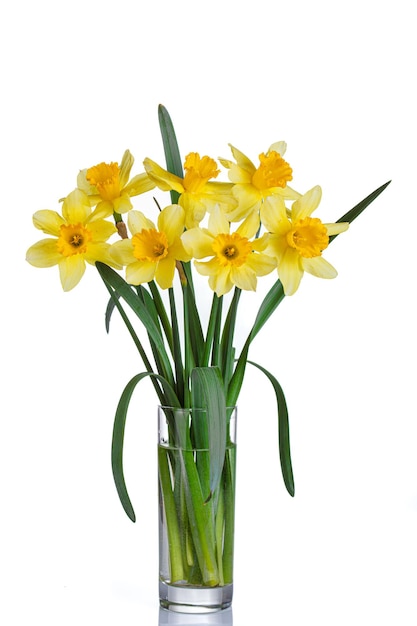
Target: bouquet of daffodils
<point>231,233</point>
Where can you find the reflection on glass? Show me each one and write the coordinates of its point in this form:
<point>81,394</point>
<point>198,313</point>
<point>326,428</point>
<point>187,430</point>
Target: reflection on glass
<point>219,618</point>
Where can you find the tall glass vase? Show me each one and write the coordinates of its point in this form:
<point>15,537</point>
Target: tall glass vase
<point>196,523</point>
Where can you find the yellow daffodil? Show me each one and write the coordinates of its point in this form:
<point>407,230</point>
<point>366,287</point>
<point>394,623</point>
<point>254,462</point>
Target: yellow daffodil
<point>152,252</point>
<point>198,193</point>
<point>297,240</point>
<point>254,186</point>
<point>234,258</point>
<point>75,239</point>
<point>108,188</point>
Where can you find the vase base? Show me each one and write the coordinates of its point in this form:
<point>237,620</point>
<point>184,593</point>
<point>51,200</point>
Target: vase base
<point>188,599</point>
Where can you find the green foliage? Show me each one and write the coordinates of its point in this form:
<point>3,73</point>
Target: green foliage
<point>199,369</point>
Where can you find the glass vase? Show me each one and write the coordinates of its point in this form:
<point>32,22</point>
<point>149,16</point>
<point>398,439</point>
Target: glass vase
<point>196,519</point>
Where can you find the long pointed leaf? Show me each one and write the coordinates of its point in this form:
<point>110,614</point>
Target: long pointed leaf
<point>109,310</point>
<point>194,328</point>
<point>125,291</point>
<point>208,392</point>
<point>116,301</point>
<point>283,430</point>
<point>176,347</point>
<point>227,349</point>
<point>361,206</point>
<point>172,153</point>
<point>208,343</point>
<point>149,304</point>
<point>119,430</point>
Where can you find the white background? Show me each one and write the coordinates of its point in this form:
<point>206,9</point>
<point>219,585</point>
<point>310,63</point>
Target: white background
<point>81,82</point>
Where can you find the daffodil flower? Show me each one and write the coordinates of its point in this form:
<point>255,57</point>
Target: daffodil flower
<point>75,239</point>
<point>108,188</point>
<point>235,259</point>
<point>152,252</point>
<point>254,186</point>
<point>198,193</point>
<point>297,240</point>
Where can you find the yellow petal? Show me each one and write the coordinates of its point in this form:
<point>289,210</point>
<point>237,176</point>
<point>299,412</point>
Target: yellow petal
<point>44,253</point>
<point>218,188</point>
<point>71,270</point>
<point>220,282</point>
<point>243,277</point>
<point>248,198</point>
<point>318,266</point>
<point>277,245</point>
<point>103,209</point>
<point>163,179</point>
<point>242,160</point>
<point>304,206</point>
<point>84,185</point>
<point>195,209</point>
<point>76,207</point>
<point>122,204</point>
<point>101,230</point>
<point>171,222</point>
<point>278,146</point>
<point>260,243</point>
<point>101,252</point>
<point>164,274</point>
<point>137,221</point>
<point>218,222</point>
<point>139,184</point>
<point>272,212</point>
<point>290,271</point>
<point>261,264</point>
<point>125,167</point>
<point>48,221</point>
<point>140,272</point>
<point>178,252</point>
<point>198,242</point>
<point>337,228</point>
<point>249,227</point>
<point>122,252</point>
<point>208,268</point>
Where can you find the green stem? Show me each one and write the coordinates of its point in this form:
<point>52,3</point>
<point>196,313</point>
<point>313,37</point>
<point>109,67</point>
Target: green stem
<point>177,349</point>
<point>229,514</point>
<point>189,362</point>
<point>136,341</point>
<point>194,328</point>
<point>173,530</point>
<point>215,356</point>
<point>201,521</point>
<point>269,304</point>
<point>159,305</point>
<point>227,350</point>
<point>219,534</point>
<point>210,331</point>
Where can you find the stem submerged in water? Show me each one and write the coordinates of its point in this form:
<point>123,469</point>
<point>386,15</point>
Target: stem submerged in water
<point>199,533</point>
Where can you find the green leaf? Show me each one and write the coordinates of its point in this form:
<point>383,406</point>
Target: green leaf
<point>215,313</point>
<point>125,291</point>
<point>357,210</point>
<point>283,430</point>
<point>172,153</point>
<point>115,301</point>
<point>159,306</point>
<point>227,349</point>
<point>109,310</point>
<point>274,298</point>
<point>176,347</point>
<point>119,430</point>
<point>193,324</point>
<point>208,393</point>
